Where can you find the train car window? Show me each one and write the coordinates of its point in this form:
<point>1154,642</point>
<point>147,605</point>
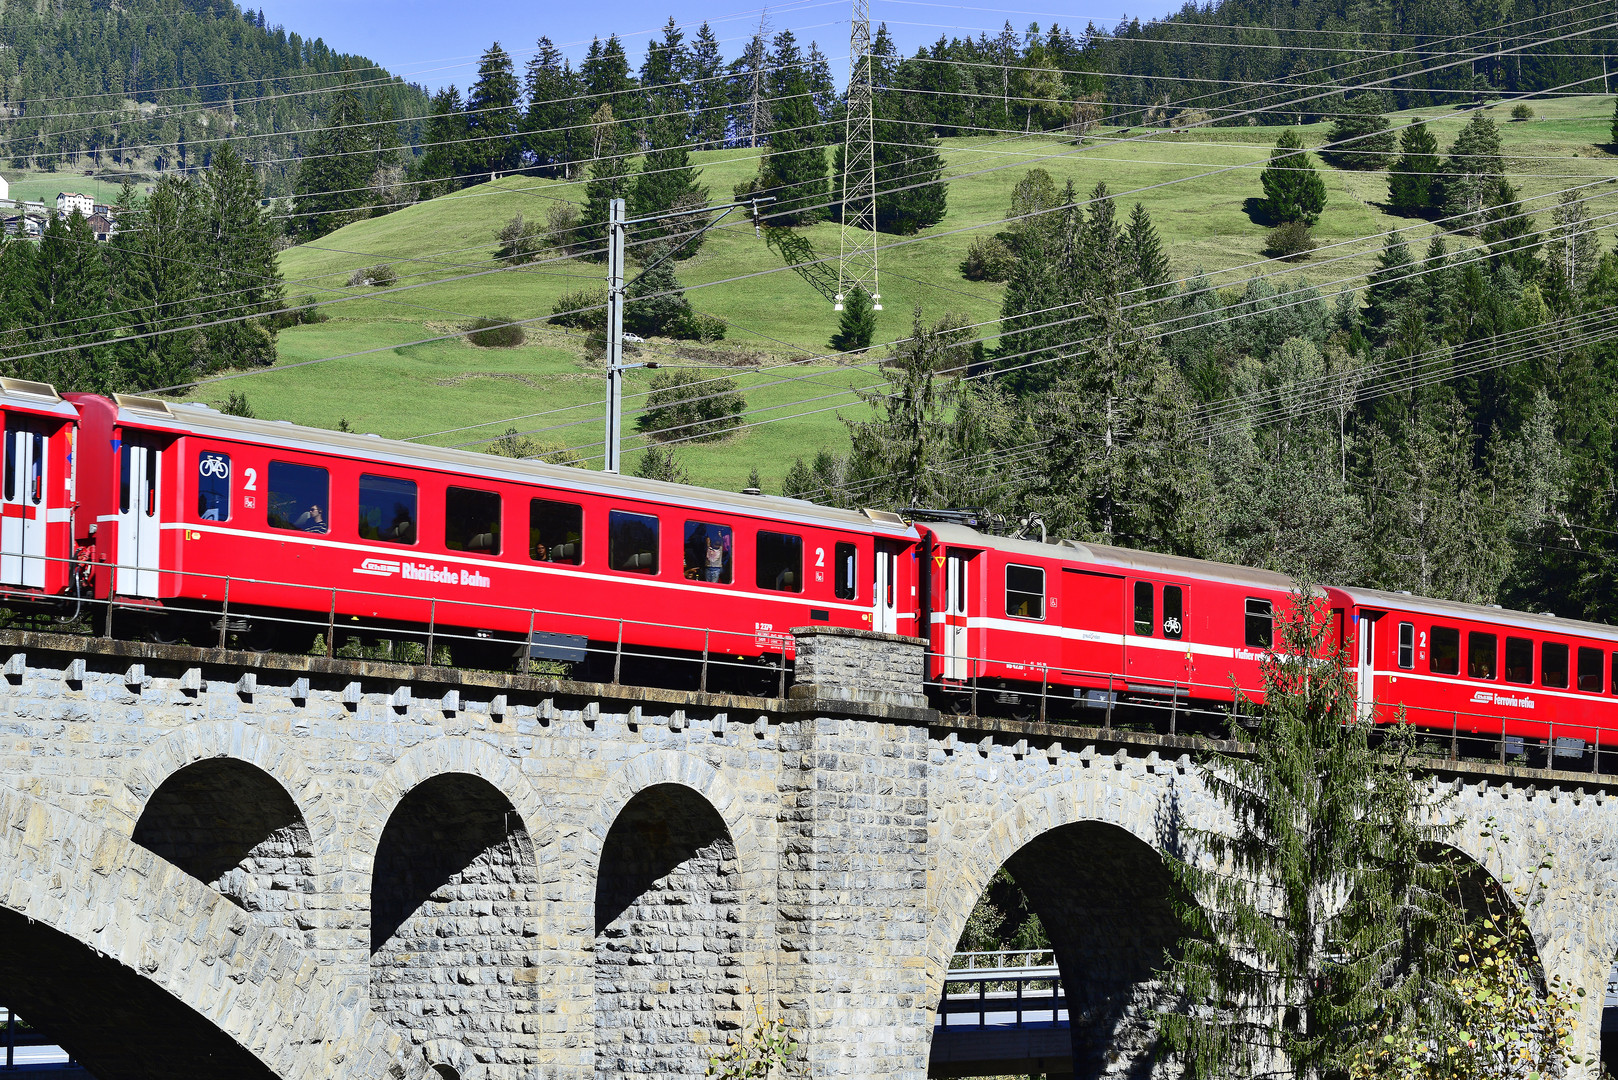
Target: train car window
<point>1481,652</point>
<point>472,520</point>
<point>632,542</point>
<point>387,509</point>
<point>1145,609</point>
<point>845,585</point>
<point>213,486</point>
<point>1590,670</point>
<point>1173,612</point>
<point>1407,645</point>
<point>1552,664</point>
<point>779,565</point>
<point>300,497</point>
<point>1445,657</point>
<point>708,552</point>
<point>1260,622</point>
<point>1519,660</point>
<point>1025,592</point>
<point>555,532</point>
<point>123,477</point>
<point>1614,673</point>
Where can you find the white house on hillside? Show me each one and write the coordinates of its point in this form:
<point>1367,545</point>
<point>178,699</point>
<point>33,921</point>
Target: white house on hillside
<point>5,189</point>
<point>69,201</point>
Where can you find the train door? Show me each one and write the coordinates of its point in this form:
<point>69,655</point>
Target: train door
<point>957,588</point>
<point>884,597</point>
<point>22,508</point>
<point>139,508</point>
<point>1093,616</point>
<point>1365,674</point>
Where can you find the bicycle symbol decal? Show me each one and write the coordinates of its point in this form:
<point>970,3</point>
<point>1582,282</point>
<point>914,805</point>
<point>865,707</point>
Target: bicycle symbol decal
<point>213,466</point>
<point>1171,627</point>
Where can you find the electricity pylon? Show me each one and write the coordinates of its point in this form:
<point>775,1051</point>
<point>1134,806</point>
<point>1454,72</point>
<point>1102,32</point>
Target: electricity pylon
<point>857,263</point>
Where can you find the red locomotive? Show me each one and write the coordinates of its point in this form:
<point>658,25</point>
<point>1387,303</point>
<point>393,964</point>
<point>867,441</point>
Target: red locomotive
<point>178,522</point>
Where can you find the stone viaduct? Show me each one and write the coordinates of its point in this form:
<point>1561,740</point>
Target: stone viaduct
<point>225,864</point>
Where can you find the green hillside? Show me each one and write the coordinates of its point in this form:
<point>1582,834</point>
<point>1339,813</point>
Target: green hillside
<point>777,320</point>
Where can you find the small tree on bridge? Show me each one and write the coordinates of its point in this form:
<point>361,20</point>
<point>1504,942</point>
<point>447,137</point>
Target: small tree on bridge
<point>1316,912</point>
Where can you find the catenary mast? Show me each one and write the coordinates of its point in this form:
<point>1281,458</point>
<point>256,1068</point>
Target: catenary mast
<point>857,261</point>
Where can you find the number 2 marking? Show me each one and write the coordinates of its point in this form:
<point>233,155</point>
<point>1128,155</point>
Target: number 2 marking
<point>252,480</point>
<point>820,556</point>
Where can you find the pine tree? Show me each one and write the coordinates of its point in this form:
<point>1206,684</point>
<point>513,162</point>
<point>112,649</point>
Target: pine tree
<point>156,283</point>
<point>1150,264</point>
<point>656,304</point>
<point>709,94</point>
<point>1389,286</point>
<point>1615,122</point>
<point>911,192</point>
<point>1509,231</point>
<point>69,310</point>
<point>857,326</point>
<point>794,170</point>
<point>1571,254</point>
<point>1360,136</point>
<point>444,139</point>
<point>1473,167</point>
<point>241,264</point>
<point>492,120</point>
<point>333,186</point>
<point>668,182</point>
<point>1414,185</point>
<point>1314,915</point>
<point>1293,190</point>
<point>545,85</point>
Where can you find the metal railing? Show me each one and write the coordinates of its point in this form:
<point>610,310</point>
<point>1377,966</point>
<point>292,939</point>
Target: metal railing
<point>1004,997</point>
<point>1043,691</point>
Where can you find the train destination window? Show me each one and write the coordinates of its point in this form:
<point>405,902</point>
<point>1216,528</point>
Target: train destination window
<point>300,497</point>
<point>1519,660</point>
<point>1445,657</point>
<point>472,520</point>
<point>845,585</point>
<point>779,565</point>
<point>1173,612</point>
<point>1025,592</point>
<point>213,486</point>
<point>1552,664</point>
<point>708,552</point>
<point>555,532</point>
<point>632,542</point>
<point>1481,650</point>
<point>1407,645</point>
<point>387,509</point>
<point>1145,609</point>
<point>1259,623</point>
<point>1590,670</point>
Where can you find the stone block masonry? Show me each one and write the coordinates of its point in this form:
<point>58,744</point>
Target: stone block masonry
<point>312,874</point>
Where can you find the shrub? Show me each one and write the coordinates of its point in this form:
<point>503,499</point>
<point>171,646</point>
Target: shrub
<point>381,275</point>
<point>685,404</point>
<point>562,226</point>
<point>988,259</point>
<point>514,445</point>
<point>582,309</point>
<point>1522,112</point>
<point>698,326</point>
<point>236,405</point>
<point>1290,241</point>
<point>495,334</point>
<point>520,241</point>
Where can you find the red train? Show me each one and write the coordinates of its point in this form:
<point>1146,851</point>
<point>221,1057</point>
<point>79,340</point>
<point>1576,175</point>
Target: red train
<point>178,522</point>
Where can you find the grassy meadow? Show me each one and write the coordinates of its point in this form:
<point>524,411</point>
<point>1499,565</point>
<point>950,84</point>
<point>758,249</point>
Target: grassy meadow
<point>1197,186</point>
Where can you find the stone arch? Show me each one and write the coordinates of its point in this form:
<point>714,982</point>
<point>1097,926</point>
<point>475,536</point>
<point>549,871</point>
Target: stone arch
<point>670,947</point>
<point>1086,853</point>
<point>111,948</point>
<point>454,922</point>
<point>232,826</point>
<point>228,739</point>
<point>448,1059</point>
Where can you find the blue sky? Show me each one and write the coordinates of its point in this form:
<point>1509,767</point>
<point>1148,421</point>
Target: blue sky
<point>435,43</point>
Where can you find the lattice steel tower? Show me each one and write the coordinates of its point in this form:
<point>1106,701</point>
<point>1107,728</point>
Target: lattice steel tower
<point>857,263</point>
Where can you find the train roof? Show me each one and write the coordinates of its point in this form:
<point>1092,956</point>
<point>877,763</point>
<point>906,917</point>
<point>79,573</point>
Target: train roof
<point>35,397</point>
<point>1450,609</point>
<point>156,413</point>
<point>1148,562</point>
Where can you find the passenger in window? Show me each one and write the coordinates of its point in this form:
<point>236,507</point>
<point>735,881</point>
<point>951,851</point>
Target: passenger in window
<point>715,560</point>
<point>311,520</point>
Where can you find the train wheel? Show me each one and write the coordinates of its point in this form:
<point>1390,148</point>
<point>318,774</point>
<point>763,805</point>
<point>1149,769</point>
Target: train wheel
<point>164,628</point>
